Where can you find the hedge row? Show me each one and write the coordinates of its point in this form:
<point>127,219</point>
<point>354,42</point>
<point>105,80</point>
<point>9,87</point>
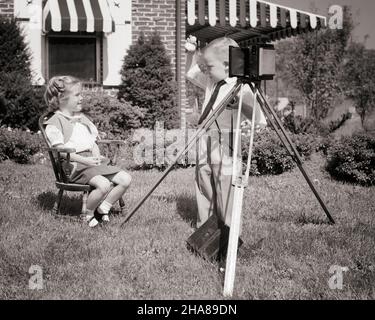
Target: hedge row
<point>350,159</point>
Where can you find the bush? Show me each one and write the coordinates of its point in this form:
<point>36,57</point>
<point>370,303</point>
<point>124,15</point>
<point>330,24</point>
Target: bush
<point>147,82</point>
<point>352,159</point>
<point>299,124</point>
<point>14,55</point>
<point>20,103</point>
<point>271,157</point>
<point>18,145</point>
<point>336,124</point>
<point>152,149</point>
<point>113,117</point>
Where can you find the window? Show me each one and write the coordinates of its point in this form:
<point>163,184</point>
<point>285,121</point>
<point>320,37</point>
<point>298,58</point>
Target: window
<point>76,56</point>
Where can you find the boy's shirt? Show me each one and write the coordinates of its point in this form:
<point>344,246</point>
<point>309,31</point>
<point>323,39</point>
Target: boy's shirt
<point>226,122</point>
<point>197,77</point>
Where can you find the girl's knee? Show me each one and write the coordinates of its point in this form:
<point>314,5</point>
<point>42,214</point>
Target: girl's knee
<point>104,186</point>
<point>124,179</point>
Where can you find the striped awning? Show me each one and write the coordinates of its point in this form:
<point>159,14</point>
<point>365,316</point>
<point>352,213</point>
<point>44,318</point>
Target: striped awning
<point>248,20</point>
<point>77,15</point>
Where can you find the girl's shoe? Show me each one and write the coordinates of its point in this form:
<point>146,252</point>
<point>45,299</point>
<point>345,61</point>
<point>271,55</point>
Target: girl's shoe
<point>103,216</point>
<point>93,222</point>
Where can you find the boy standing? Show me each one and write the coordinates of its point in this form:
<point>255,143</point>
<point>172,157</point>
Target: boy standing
<point>213,178</point>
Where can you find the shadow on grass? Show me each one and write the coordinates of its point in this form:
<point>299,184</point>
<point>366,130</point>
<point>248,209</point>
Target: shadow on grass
<point>70,206</point>
<point>249,250</point>
<point>187,209</point>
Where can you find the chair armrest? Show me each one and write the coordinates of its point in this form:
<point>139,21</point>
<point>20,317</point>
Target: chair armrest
<point>63,150</point>
<point>110,142</point>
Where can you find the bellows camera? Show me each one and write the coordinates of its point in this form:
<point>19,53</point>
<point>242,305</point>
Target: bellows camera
<point>257,62</point>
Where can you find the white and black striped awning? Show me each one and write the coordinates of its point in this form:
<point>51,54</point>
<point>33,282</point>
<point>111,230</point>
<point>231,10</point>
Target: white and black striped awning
<point>77,15</point>
<point>248,20</point>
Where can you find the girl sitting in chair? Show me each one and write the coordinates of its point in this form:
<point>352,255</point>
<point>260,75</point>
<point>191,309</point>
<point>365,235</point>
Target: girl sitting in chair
<point>69,128</point>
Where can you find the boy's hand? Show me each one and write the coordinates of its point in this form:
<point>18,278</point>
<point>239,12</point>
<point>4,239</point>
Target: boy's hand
<point>191,44</point>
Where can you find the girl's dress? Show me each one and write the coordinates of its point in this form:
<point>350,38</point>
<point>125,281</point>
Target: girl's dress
<point>80,133</point>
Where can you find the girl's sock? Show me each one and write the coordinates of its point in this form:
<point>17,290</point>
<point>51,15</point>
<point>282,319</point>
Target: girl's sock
<point>104,207</point>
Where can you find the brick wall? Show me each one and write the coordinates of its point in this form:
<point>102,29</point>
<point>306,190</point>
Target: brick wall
<point>6,8</point>
<point>160,15</point>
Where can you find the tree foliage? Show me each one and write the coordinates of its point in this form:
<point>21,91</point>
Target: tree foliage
<point>312,63</point>
<point>147,81</point>
<point>359,79</point>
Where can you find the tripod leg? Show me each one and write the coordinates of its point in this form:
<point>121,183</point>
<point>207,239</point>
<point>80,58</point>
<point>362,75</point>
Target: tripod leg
<point>270,113</point>
<point>239,182</point>
<point>234,233</point>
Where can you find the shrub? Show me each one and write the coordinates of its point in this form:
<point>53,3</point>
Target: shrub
<point>147,82</point>
<point>20,103</point>
<point>113,117</point>
<point>271,157</point>
<point>352,159</point>
<point>336,124</point>
<point>152,149</point>
<point>14,55</point>
<point>18,145</point>
<point>299,124</point>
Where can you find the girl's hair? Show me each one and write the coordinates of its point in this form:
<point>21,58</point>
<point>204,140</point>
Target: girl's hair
<point>57,89</point>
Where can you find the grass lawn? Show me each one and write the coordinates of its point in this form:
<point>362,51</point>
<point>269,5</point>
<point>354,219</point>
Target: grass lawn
<point>288,250</point>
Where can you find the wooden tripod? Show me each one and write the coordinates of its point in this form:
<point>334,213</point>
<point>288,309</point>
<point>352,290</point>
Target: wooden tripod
<point>239,181</point>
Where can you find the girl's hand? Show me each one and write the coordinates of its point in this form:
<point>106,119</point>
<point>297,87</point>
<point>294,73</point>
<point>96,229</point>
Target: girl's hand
<point>92,161</point>
<point>95,151</point>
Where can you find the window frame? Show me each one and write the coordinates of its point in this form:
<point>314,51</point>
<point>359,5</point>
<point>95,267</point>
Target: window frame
<point>99,52</point>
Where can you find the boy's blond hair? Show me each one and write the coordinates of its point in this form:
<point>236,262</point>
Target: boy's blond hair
<point>220,48</point>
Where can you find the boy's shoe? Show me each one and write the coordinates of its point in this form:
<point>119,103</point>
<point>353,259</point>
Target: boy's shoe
<point>105,218</point>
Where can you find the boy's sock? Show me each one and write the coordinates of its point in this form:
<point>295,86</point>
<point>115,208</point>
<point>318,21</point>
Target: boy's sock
<point>104,207</point>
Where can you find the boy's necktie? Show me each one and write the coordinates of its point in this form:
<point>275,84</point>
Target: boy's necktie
<point>211,101</point>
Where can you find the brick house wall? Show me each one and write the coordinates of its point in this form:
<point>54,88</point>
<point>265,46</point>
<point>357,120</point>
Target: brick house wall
<point>6,8</point>
<point>160,15</point>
